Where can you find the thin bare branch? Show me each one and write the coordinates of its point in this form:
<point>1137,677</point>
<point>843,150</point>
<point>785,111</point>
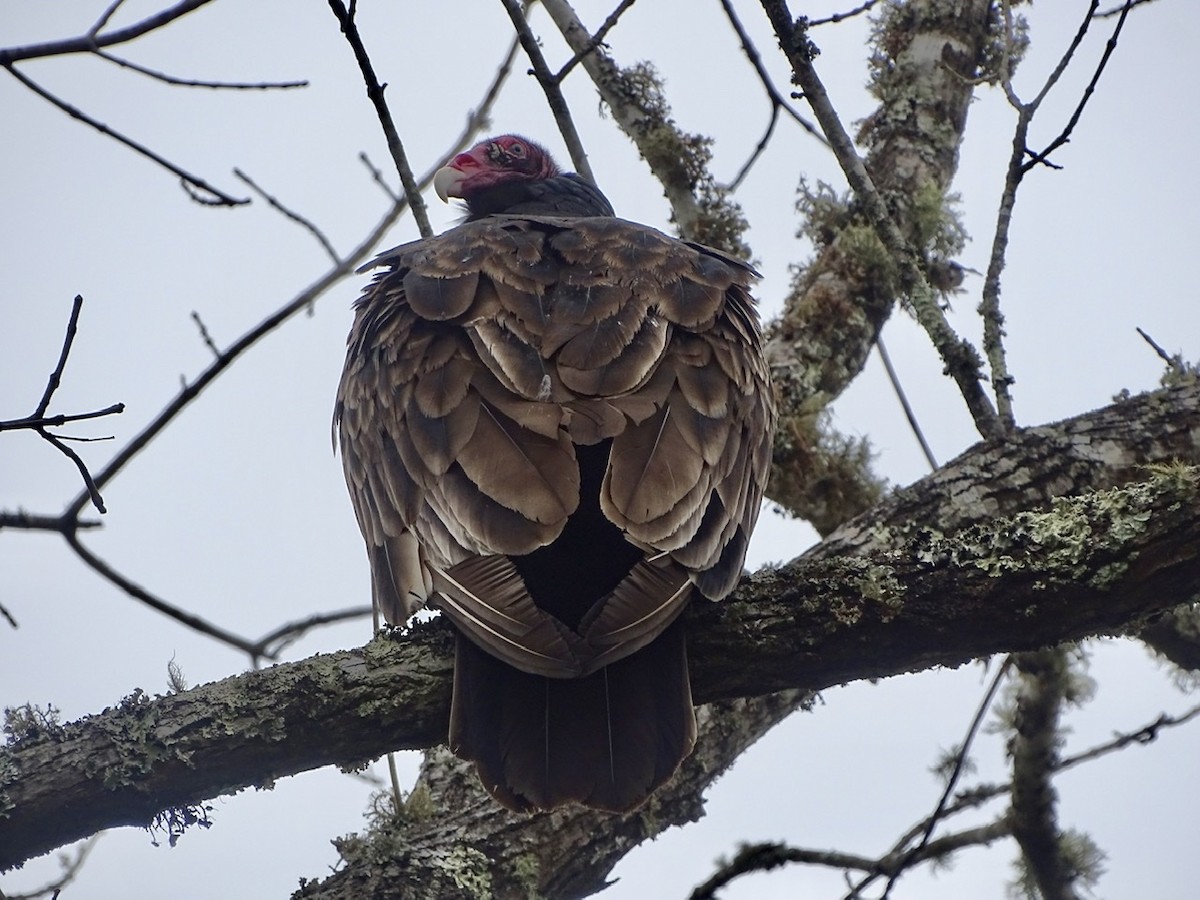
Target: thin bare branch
<point>274,642</point>
<point>56,376</point>
<point>375,91</point>
<point>199,82</point>
<point>777,99</point>
<point>71,864</point>
<point>841,17</point>
<point>1119,10</point>
<point>596,40</point>
<point>55,421</point>
<point>136,591</point>
<point>904,404</point>
<point>216,197</point>
<point>1065,135</point>
<point>93,492</point>
<point>34,522</point>
<point>1068,54</point>
<point>305,223</point>
<point>550,87</point>
<point>909,857</point>
<point>377,176</point>
<point>767,856</point>
<point>93,40</point>
<point>205,336</point>
<point>1018,166</point>
<point>40,422</point>
<point>104,17</point>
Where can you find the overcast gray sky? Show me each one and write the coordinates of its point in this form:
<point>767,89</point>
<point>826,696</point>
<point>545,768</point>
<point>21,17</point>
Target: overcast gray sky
<point>238,512</point>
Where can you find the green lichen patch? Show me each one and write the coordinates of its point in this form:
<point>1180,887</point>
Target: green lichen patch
<point>1084,538</point>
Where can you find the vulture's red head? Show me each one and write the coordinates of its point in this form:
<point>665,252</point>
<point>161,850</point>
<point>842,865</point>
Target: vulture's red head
<point>512,174</point>
<point>497,161</point>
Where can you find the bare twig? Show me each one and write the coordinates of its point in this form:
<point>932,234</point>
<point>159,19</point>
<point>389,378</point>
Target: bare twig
<point>1018,166</point>
<point>198,82</point>
<point>596,40</point>
<point>55,378</point>
<point>36,422</point>
<point>99,24</point>
<point>377,176</point>
<point>92,40</point>
<point>841,17</point>
<point>216,197</point>
<point>375,91</point>
<point>960,763</point>
<point>92,490</point>
<point>274,642</point>
<point>904,404</point>
<point>766,856</point>
<point>778,102</point>
<point>764,77</point>
<point>307,224</point>
<point>1120,10</point>
<point>39,421</point>
<point>1065,135</point>
<point>8,616</point>
<point>205,336</point>
<point>550,86</point>
<point>135,590</point>
<point>978,795</point>
<point>71,865</point>
<point>34,522</point>
<point>1172,361</point>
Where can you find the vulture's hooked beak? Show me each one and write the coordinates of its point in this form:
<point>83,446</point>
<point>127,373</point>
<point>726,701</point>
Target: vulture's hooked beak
<point>446,181</point>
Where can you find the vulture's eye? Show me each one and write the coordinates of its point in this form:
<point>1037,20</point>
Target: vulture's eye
<point>517,151</point>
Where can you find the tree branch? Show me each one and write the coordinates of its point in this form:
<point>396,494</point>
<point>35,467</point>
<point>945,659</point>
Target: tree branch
<point>962,360</point>
<point>1091,565</point>
<point>86,43</point>
<point>839,302</point>
<point>375,91</point>
<point>550,87</point>
<point>216,197</point>
<point>1034,748</point>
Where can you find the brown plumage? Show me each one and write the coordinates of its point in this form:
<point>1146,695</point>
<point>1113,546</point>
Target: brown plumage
<point>554,428</point>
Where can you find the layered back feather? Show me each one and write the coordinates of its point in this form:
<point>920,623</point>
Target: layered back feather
<point>557,430</point>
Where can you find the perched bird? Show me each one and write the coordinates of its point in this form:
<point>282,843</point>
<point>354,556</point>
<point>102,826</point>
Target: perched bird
<point>556,427</point>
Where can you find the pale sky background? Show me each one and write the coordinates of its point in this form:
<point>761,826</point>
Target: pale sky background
<point>239,514</point>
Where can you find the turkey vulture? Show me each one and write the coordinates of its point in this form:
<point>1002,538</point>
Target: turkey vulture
<point>556,426</point>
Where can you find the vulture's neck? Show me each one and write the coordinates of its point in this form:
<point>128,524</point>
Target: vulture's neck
<point>563,195</point>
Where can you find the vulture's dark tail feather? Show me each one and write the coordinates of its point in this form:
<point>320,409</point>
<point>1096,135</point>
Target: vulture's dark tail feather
<point>607,740</point>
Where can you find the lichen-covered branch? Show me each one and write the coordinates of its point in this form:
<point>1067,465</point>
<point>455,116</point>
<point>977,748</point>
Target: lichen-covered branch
<point>1089,565</point>
<point>1044,687</point>
<point>926,60</point>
